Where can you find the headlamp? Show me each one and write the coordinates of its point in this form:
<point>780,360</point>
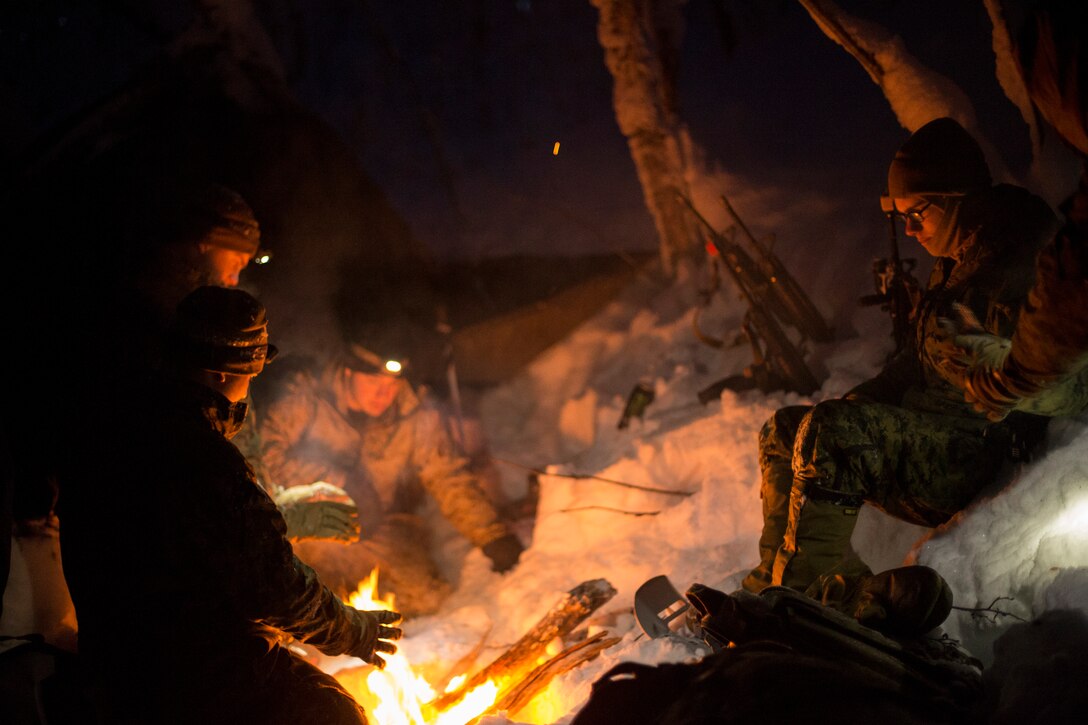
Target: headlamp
<point>367,361</point>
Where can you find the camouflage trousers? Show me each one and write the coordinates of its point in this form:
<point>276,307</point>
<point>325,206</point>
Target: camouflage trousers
<point>399,549</point>
<point>820,463</point>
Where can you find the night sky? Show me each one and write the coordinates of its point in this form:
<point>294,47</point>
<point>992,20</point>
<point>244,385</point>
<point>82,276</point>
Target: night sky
<point>401,130</point>
<point>453,108</point>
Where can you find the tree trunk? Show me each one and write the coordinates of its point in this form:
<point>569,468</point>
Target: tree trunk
<point>640,40</point>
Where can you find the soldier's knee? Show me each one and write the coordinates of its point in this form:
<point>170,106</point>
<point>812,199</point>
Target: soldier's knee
<point>822,446</point>
<point>781,428</point>
<point>830,421</point>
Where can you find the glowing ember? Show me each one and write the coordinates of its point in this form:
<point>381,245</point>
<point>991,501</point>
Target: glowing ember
<point>398,696</point>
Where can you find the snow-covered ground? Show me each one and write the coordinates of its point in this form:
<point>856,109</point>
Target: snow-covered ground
<point>1026,540</point>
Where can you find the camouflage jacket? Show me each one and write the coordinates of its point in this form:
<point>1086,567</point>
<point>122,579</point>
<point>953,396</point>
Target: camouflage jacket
<point>385,464</point>
<point>1002,230</point>
<point>172,551</point>
<point>1047,366</point>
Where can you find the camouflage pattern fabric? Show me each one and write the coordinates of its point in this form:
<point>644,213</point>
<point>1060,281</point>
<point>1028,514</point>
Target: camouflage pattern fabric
<point>388,465</point>
<point>181,574</point>
<point>919,467</point>
<point>1046,370</point>
<point>776,464</point>
<point>906,441</point>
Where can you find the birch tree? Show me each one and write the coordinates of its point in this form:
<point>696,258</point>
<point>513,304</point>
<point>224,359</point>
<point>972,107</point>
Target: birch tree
<point>917,94</point>
<point>640,39</point>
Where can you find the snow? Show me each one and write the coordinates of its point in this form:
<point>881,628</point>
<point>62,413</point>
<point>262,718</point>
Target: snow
<point>1025,540</point>
<point>1024,544</point>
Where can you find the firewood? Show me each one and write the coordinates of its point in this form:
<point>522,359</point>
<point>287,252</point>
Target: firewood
<point>574,656</point>
<point>567,614</point>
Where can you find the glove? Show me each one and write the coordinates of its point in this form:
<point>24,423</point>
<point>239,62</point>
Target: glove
<point>975,360</point>
<point>503,552</point>
<point>375,635</point>
<point>319,511</point>
<point>989,351</point>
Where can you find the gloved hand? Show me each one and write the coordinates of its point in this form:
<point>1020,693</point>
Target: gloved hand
<point>319,511</point>
<point>375,635</point>
<point>975,359</point>
<point>988,351</point>
<point>503,552</point>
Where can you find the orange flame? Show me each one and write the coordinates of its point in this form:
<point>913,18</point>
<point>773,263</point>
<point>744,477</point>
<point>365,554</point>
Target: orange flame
<point>397,695</point>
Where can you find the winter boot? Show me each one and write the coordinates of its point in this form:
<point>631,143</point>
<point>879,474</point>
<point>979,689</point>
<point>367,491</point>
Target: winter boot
<point>817,539</point>
<point>904,602</point>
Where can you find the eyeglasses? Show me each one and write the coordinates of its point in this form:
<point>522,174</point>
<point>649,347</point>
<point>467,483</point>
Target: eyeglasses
<point>916,215</point>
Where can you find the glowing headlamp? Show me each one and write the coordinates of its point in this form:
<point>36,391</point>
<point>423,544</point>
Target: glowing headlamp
<point>367,361</point>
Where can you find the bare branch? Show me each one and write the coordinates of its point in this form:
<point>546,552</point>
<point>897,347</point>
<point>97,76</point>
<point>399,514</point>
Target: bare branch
<point>651,489</point>
<point>981,612</point>
<point>609,508</point>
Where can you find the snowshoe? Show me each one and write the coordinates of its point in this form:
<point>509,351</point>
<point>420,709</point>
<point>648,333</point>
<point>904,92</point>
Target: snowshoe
<point>660,610</point>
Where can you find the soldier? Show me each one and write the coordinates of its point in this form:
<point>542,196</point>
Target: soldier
<point>214,240</point>
<point>1044,369</point>
<point>906,441</point>
<point>214,237</point>
<point>358,424</point>
<point>178,562</point>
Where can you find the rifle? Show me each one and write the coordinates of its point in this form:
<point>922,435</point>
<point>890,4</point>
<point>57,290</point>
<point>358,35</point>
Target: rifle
<point>792,300</point>
<point>777,362</point>
<point>897,290</point>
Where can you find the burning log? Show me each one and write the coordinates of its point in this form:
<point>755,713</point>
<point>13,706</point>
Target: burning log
<point>567,614</point>
<point>574,656</point>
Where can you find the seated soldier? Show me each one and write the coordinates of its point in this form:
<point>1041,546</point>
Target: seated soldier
<point>183,579</point>
<point>906,441</point>
<point>211,242</point>
<point>358,424</point>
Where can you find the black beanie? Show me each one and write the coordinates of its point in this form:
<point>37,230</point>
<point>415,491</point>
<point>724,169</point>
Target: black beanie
<point>227,220</point>
<point>939,158</point>
<point>221,329</point>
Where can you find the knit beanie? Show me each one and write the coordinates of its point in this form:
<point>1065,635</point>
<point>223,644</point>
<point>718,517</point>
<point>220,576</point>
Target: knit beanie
<point>228,220</point>
<point>940,158</point>
<point>223,330</point>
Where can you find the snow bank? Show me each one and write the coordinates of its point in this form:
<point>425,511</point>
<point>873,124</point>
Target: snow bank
<point>1026,539</point>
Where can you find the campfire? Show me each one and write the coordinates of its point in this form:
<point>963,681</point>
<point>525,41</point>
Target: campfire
<point>514,682</point>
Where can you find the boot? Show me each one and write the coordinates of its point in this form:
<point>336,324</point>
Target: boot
<point>904,602</point>
<point>817,541</point>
